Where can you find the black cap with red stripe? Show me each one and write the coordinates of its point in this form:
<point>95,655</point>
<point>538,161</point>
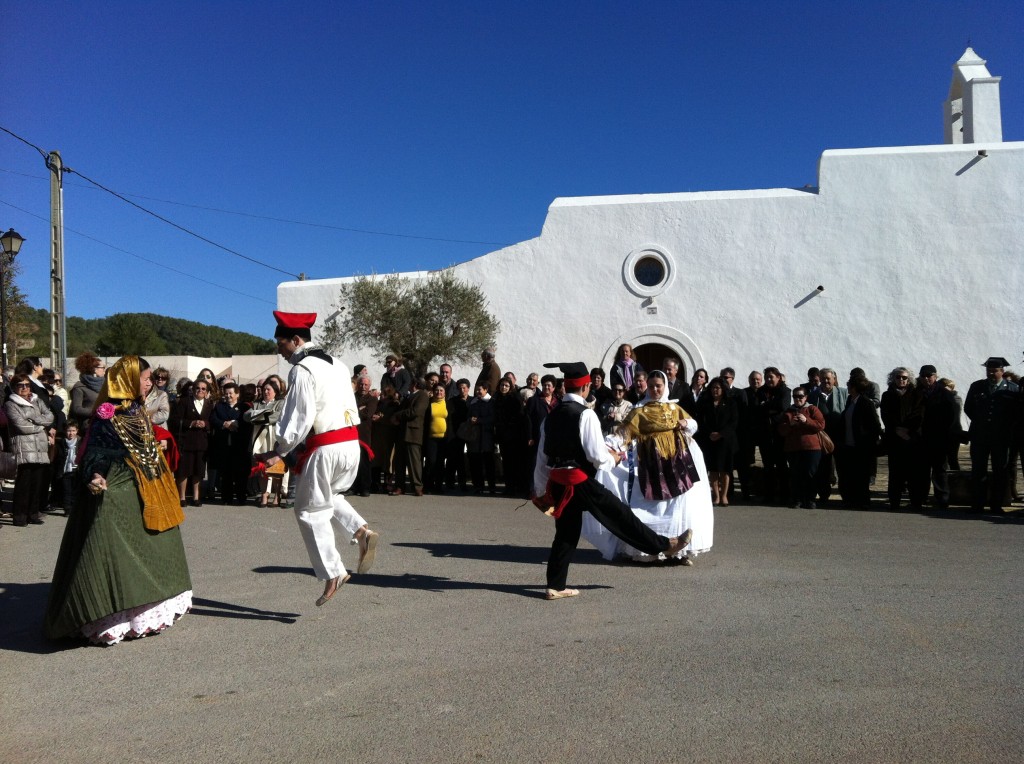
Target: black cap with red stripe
<point>576,373</point>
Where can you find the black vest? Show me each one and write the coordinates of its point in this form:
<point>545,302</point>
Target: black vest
<point>562,444</point>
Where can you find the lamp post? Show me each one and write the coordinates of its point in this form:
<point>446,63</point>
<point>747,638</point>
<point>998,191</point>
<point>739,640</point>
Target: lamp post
<point>11,241</point>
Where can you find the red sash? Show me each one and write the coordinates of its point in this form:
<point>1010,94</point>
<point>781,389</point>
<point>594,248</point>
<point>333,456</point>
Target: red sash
<point>313,442</point>
<point>568,477</point>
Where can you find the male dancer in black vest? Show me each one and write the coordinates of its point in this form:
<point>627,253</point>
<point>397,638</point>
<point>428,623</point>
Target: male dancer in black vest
<point>570,452</point>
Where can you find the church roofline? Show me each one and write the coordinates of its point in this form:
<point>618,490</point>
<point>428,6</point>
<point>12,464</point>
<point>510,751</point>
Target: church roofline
<point>761,193</point>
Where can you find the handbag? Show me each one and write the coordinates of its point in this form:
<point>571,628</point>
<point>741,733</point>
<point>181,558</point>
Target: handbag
<point>826,442</point>
<point>467,431</point>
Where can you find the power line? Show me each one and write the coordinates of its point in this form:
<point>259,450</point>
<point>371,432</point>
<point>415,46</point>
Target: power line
<point>154,214</point>
<point>140,257</point>
<point>290,221</point>
<point>181,227</point>
<point>27,143</point>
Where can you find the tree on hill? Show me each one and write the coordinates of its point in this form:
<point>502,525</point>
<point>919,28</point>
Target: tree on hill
<point>129,333</point>
<point>150,333</point>
<point>438,317</point>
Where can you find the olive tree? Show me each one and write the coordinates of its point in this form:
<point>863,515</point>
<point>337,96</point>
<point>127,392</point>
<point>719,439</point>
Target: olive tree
<point>420,319</point>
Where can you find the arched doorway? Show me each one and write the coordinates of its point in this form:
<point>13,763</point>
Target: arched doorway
<point>652,344</point>
<point>652,354</point>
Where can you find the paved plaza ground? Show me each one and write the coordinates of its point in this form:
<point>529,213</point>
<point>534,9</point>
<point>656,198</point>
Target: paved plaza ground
<point>804,636</point>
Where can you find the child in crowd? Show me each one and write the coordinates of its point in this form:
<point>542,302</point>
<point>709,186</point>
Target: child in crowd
<point>65,464</point>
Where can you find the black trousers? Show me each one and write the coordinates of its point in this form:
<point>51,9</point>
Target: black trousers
<point>481,465</point>
<point>455,463</point>
<point>364,480</point>
<point>433,471</point>
<point>776,469</point>
<point>855,466</point>
<point>929,471</point>
<point>617,517</point>
<point>907,462</point>
<point>823,476</point>
<point>982,451</point>
<point>233,482</point>
<point>803,466</point>
<point>31,489</point>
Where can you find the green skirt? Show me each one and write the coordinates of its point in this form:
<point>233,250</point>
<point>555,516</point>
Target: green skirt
<point>109,562</point>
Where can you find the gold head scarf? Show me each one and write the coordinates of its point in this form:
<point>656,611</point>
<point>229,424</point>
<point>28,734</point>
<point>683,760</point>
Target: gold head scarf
<point>122,383</point>
<point>161,508</point>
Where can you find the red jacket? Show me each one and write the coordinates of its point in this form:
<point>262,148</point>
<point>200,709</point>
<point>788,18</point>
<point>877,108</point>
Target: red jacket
<point>801,436</point>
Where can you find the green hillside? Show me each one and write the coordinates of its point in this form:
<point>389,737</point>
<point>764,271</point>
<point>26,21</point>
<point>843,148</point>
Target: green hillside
<point>138,333</point>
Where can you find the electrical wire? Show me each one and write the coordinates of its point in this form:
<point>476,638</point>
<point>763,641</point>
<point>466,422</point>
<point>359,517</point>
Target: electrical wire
<point>159,217</point>
<point>123,198</point>
<point>182,228</point>
<point>140,257</point>
<point>27,143</point>
<point>290,221</point>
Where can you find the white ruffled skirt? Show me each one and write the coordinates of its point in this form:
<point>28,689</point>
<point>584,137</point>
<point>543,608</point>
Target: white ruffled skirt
<point>692,510</point>
<point>138,621</point>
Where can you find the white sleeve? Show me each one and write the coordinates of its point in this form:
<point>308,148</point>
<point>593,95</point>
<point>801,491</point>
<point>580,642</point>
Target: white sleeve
<point>593,441</point>
<point>299,411</point>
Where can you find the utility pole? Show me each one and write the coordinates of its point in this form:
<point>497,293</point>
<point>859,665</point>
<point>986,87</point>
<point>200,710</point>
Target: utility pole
<point>58,318</point>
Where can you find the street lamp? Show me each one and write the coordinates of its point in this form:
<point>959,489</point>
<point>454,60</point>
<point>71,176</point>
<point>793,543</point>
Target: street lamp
<point>11,241</point>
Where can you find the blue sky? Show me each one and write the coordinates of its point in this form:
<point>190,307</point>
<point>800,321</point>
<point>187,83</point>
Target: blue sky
<point>449,126</point>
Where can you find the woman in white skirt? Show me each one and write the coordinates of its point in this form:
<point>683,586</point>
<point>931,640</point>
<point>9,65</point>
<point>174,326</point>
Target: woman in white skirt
<point>663,477</point>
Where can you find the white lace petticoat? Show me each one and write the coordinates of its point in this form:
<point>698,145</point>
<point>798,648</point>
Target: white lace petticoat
<point>138,621</point>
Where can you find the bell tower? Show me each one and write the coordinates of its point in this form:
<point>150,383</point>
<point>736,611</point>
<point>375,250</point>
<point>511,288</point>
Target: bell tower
<point>972,113</point>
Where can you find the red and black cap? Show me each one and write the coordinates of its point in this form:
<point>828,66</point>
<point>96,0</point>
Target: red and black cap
<point>575,373</point>
<point>293,324</point>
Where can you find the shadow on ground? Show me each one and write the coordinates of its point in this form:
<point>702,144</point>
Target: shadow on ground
<point>201,606</point>
<point>435,584</point>
<point>531,555</point>
<point>21,619</point>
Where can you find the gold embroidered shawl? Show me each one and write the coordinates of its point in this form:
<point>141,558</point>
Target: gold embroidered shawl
<point>655,423</point>
<point>161,507</point>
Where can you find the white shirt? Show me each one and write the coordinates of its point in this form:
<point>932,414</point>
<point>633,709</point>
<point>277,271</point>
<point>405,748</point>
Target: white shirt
<point>319,399</point>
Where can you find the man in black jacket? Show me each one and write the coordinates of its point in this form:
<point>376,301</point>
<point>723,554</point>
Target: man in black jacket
<point>941,419</point>
<point>993,407</point>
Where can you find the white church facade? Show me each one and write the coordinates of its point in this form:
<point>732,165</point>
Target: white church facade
<point>899,256</point>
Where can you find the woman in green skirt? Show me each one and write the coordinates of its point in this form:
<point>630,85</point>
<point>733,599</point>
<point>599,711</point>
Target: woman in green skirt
<point>121,571</point>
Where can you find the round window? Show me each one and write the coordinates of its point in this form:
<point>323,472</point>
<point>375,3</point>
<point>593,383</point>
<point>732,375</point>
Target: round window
<point>649,271</point>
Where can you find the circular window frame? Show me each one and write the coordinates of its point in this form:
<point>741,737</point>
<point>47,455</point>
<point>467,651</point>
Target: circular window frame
<point>629,271</point>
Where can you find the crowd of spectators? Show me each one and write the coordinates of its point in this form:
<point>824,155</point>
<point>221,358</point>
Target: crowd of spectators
<point>766,442</point>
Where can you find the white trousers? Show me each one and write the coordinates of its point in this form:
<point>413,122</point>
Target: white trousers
<point>320,505</point>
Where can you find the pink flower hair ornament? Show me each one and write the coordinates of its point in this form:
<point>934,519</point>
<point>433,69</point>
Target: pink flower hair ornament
<point>105,410</point>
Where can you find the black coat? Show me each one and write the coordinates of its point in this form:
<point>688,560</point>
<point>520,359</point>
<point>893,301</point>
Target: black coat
<point>723,419</point>
<point>993,415</point>
<point>867,428</point>
<point>188,437</point>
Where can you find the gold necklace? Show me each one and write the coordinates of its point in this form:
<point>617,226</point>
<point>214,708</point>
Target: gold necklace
<point>136,433</point>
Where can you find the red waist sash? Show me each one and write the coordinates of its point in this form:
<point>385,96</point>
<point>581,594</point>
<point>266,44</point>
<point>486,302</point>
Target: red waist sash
<point>315,441</point>
<point>568,477</point>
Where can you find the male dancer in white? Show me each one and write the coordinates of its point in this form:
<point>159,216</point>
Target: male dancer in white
<point>319,423</point>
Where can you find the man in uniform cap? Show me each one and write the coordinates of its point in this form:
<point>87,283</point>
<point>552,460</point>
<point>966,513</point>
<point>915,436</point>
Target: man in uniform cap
<point>319,424</point>
<point>993,407</point>
<point>570,452</point>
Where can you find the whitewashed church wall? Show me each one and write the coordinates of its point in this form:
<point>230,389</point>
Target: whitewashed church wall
<point>917,248</point>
